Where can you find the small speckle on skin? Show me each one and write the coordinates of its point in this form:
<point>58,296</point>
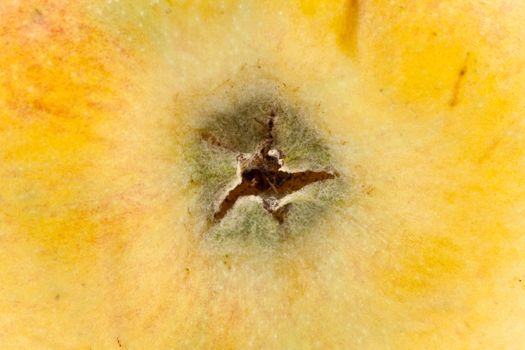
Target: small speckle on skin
<point>227,261</point>
<point>186,273</point>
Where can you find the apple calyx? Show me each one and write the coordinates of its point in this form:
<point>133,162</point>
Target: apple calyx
<point>261,170</point>
<point>262,175</point>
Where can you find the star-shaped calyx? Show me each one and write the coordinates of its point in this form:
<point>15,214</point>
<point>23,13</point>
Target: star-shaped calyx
<point>262,174</point>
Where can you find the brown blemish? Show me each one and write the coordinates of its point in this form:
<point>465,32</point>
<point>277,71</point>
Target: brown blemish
<point>214,141</point>
<point>278,214</point>
<point>118,342</point>
<point>262,175</point>
<point>459,81</point>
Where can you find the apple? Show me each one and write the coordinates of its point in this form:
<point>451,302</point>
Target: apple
<point>338,174</point>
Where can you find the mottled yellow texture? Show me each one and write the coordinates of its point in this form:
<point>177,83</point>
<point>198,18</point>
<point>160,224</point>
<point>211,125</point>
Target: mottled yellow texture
<point>421,102</point>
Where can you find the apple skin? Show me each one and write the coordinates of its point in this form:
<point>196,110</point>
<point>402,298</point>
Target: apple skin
<point>420,101</point>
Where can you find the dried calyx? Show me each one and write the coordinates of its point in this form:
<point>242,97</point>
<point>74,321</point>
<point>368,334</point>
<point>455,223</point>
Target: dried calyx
<point>262,175</point>
<point>262,171</point>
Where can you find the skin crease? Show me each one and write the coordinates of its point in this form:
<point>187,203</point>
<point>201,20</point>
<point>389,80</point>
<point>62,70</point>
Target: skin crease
<point>420,101</point>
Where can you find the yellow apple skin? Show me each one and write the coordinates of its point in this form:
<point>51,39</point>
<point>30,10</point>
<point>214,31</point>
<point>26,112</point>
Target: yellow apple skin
<point>421,102</point>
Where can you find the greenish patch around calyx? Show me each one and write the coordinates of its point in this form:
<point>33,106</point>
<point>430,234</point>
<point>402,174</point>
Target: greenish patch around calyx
<point>263,175</point>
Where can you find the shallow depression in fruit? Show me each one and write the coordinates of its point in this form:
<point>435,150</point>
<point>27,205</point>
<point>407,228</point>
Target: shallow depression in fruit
<point>263,173</point>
